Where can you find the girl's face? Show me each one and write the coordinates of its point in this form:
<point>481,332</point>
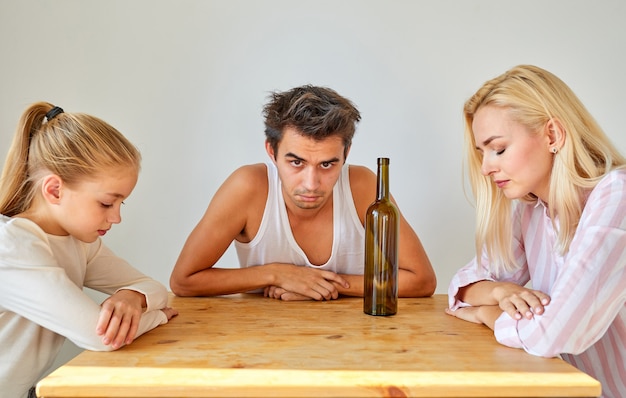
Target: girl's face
<point>88,209</point>
<point>517,159</point>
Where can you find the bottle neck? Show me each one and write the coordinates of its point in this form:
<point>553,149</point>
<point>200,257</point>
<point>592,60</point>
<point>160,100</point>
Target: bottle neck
<point>382,187</point>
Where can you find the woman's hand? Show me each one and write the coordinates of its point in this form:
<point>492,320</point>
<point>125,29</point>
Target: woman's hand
<point>515,300</point>
<point>486,314</point>
<point>489,299</point>
<point>518,301</point>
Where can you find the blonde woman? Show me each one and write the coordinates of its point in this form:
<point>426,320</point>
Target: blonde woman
<point>62,186</point>
<point>550,193</point>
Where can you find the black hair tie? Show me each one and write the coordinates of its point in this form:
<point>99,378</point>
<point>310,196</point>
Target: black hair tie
<point>52,113</point>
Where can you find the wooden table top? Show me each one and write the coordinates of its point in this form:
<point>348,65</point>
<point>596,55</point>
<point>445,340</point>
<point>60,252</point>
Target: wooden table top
<point>251,346</point>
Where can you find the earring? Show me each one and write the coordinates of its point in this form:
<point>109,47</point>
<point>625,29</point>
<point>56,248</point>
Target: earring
<point>555,150</point>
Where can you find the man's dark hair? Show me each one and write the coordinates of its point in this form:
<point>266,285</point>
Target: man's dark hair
<point>315,112</point>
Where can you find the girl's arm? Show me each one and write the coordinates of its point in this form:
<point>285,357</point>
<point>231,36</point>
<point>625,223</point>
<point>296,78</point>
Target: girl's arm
<point>38,288</point>
<point>132,294</point>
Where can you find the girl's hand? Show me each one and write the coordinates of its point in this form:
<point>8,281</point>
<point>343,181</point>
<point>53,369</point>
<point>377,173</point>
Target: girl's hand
<point>518,301</point>
<point>169,312</point>
<point>119,318</point>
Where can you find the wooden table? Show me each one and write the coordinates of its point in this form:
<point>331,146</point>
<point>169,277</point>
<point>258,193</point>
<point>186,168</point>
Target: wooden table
<point>250,346</point>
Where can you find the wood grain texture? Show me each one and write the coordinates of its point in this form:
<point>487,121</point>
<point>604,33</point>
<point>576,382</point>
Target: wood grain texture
<point>250,346</point>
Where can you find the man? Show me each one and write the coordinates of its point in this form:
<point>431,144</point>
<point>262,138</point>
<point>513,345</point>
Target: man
<point>297,222</point>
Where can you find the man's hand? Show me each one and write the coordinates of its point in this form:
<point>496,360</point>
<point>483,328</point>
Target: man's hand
<point>279,293</point>
<point>304,283</point>
<point>119,318</point>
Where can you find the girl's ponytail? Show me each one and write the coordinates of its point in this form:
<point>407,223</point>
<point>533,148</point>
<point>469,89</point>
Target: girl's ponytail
<point>15,183</point>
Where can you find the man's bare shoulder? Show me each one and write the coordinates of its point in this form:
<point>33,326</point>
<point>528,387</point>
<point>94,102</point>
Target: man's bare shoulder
<point>242,194</point>
<point>251,171</point>
<point>362,180</point>
<point>363,187</point>
<point>251,177</point>
<point>245,193</point>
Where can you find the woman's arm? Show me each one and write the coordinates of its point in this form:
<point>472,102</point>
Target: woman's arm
<point>586,286</point>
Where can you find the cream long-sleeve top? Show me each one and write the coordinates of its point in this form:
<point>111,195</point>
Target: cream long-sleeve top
<point>42,301</point>
<point>585,321</point>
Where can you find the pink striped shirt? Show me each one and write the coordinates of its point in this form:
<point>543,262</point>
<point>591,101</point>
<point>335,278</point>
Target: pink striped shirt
<point>585,322</point>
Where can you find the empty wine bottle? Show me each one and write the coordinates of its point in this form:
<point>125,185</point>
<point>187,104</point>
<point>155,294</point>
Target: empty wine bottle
<point>382,220</point>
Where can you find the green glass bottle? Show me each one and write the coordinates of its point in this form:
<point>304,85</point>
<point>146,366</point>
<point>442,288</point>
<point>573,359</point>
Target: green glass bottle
<point>382,221</point>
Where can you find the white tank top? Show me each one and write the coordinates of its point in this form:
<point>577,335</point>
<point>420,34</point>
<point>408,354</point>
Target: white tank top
<point>275,243</point>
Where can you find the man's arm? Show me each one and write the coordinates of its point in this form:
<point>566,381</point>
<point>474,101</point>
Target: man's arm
<point>225,219</point>
<point>416,277</point>
<point>235,212</point>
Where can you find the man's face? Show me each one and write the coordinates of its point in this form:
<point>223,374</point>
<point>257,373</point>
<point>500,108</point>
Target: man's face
<point>308,169</point>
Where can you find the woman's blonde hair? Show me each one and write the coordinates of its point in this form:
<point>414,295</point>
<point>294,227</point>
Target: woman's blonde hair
<point>73,146</point>
<point>534,97</point>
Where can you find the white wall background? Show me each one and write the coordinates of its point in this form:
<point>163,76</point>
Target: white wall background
<point>186,81</point>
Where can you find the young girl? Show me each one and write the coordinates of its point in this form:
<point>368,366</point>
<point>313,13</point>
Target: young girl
<point>65,178</point>
<point>550,194</point>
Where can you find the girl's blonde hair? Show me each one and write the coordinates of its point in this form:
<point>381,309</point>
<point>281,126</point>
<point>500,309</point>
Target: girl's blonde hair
<point>534,97</point>
<point>73,146</point>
